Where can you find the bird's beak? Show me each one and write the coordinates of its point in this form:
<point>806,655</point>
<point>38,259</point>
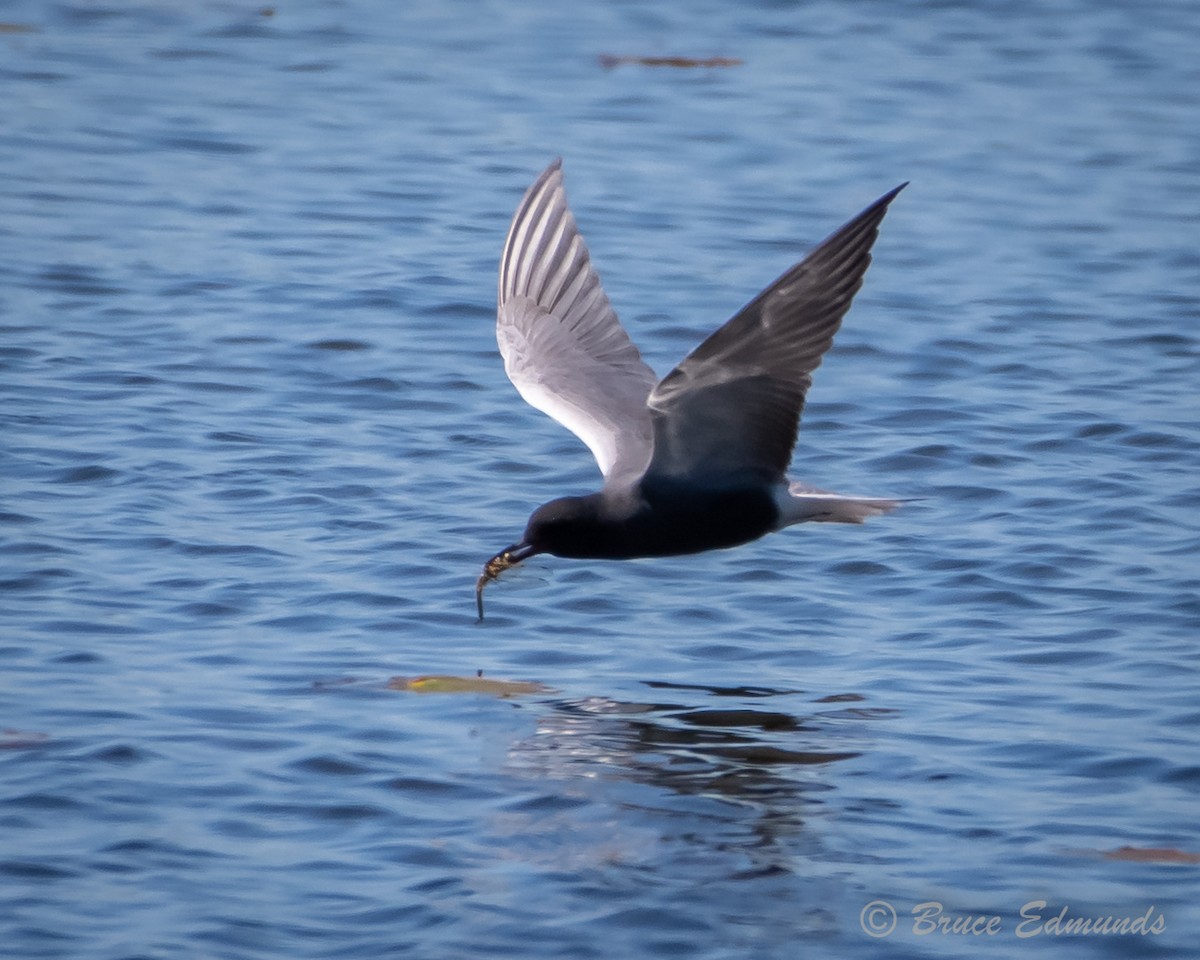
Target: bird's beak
<point>504,560</point>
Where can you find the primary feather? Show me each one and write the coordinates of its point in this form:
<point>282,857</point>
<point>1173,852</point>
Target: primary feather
<point>563,347</point>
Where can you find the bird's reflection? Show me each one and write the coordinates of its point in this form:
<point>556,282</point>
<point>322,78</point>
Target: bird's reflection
<point>729,777</point>
<point>691,745</point>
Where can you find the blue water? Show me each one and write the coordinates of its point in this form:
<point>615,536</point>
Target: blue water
<point>257,441</point>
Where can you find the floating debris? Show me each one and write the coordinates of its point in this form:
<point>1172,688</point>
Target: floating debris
<point>609,60</point>
<point>439,683</point>
<point>1152,855</point>
<point>22,739</point>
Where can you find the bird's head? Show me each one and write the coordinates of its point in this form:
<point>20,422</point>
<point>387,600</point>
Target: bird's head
<point>566,527</point>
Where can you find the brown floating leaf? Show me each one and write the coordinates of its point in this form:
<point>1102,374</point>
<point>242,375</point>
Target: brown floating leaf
<point>609,60</point>
<point>1152,855</point>
<point>449,684</point>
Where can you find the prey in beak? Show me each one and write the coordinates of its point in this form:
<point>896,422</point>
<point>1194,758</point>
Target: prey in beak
<point>505,560</point>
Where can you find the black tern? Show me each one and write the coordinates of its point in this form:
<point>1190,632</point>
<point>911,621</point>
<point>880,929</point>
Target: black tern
<point>697,460</point>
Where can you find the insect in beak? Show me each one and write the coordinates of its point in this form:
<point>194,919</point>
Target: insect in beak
<point>505,560</point>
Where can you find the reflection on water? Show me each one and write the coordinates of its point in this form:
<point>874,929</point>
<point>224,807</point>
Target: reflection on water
<point>760,767</point>
<point>732,752</point>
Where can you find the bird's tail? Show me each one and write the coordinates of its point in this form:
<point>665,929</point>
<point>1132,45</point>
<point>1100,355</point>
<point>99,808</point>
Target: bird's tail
<point>799,503</point>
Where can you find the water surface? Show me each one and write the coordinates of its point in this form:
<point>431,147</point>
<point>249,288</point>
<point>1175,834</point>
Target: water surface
<point>256,442</point>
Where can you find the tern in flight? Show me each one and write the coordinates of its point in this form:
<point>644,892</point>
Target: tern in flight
<point>697,460</point>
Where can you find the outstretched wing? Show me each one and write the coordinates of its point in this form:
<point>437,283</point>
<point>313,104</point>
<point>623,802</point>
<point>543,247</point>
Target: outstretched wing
<point>563,347</point>
<point>731,409</point>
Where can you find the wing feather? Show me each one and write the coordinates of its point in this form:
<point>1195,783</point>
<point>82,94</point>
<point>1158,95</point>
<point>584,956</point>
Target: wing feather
<point>564,348</point>
<point>731,409</point>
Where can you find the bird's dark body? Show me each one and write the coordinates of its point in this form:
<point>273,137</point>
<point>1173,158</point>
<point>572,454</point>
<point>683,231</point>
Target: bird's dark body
<point>654,519</point>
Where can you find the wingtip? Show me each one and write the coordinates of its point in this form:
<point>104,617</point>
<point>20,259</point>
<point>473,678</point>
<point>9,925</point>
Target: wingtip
<point>880,206</point>
<point>892,194</point>
<point>552,174</point>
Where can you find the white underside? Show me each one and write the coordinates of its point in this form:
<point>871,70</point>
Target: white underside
<point>800,503</point>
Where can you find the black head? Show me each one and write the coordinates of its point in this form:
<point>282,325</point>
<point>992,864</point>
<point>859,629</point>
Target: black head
<point>566,527</point>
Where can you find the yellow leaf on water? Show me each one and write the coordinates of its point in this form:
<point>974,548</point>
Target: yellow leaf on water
<point>441,683</point>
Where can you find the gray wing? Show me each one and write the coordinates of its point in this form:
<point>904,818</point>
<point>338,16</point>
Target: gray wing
<point>563,347</point>
<point>731,409</point>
